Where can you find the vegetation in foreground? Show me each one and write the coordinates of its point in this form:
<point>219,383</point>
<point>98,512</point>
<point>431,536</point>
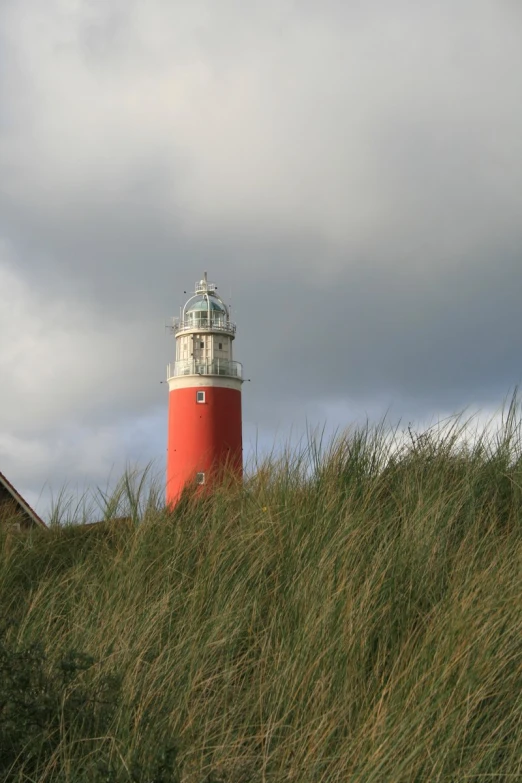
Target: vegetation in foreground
<point>348,614</point>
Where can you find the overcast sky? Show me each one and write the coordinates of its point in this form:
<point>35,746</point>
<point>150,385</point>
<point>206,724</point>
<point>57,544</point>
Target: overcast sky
<point>349,171</point>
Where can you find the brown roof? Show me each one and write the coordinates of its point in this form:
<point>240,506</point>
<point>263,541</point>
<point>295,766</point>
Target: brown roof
<point>14,510</point>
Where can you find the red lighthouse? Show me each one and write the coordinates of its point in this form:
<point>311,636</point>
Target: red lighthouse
<point>205,431</point>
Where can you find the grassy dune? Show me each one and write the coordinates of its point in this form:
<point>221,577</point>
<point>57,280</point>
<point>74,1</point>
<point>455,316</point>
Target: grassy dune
<point>351,613</point>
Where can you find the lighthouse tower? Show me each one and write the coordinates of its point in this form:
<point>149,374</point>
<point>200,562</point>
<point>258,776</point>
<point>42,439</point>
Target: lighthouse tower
<point>205,432</point>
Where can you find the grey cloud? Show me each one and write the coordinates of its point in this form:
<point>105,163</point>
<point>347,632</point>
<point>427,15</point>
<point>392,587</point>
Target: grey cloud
<point>351,171</point>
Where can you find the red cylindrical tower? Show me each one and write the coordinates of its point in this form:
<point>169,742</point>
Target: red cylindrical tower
<point>205,429</point>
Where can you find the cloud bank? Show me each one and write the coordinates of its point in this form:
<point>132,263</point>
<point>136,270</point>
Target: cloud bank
<point>350,172</point>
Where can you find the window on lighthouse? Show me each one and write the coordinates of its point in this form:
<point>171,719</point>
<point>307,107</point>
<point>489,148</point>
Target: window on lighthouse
<point>200,478</point>
<point>200,396</point>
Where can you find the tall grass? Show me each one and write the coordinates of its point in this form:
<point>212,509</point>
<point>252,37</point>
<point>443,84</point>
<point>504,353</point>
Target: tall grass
<point>351,612</point>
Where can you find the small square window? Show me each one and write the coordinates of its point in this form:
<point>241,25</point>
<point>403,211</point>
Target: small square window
<point>200,396</point>
<point>200,478</point>
<point>220,346</point>
<point>202,345</point>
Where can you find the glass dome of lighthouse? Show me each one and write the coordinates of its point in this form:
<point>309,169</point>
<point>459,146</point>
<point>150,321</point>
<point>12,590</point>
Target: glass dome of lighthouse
<point>205,310</point>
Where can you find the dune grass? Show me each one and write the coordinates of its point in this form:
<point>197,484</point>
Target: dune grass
<point>351,612</point>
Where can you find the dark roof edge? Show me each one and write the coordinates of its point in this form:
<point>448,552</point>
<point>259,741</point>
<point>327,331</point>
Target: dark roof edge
<point>21,502</point>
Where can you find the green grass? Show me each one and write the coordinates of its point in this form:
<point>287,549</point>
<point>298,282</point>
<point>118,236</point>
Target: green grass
<point>352,612</point>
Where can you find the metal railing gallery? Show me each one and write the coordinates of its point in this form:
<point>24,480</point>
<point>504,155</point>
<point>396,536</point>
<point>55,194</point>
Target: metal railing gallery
<point>215,367</point>
<point>212,324</point>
